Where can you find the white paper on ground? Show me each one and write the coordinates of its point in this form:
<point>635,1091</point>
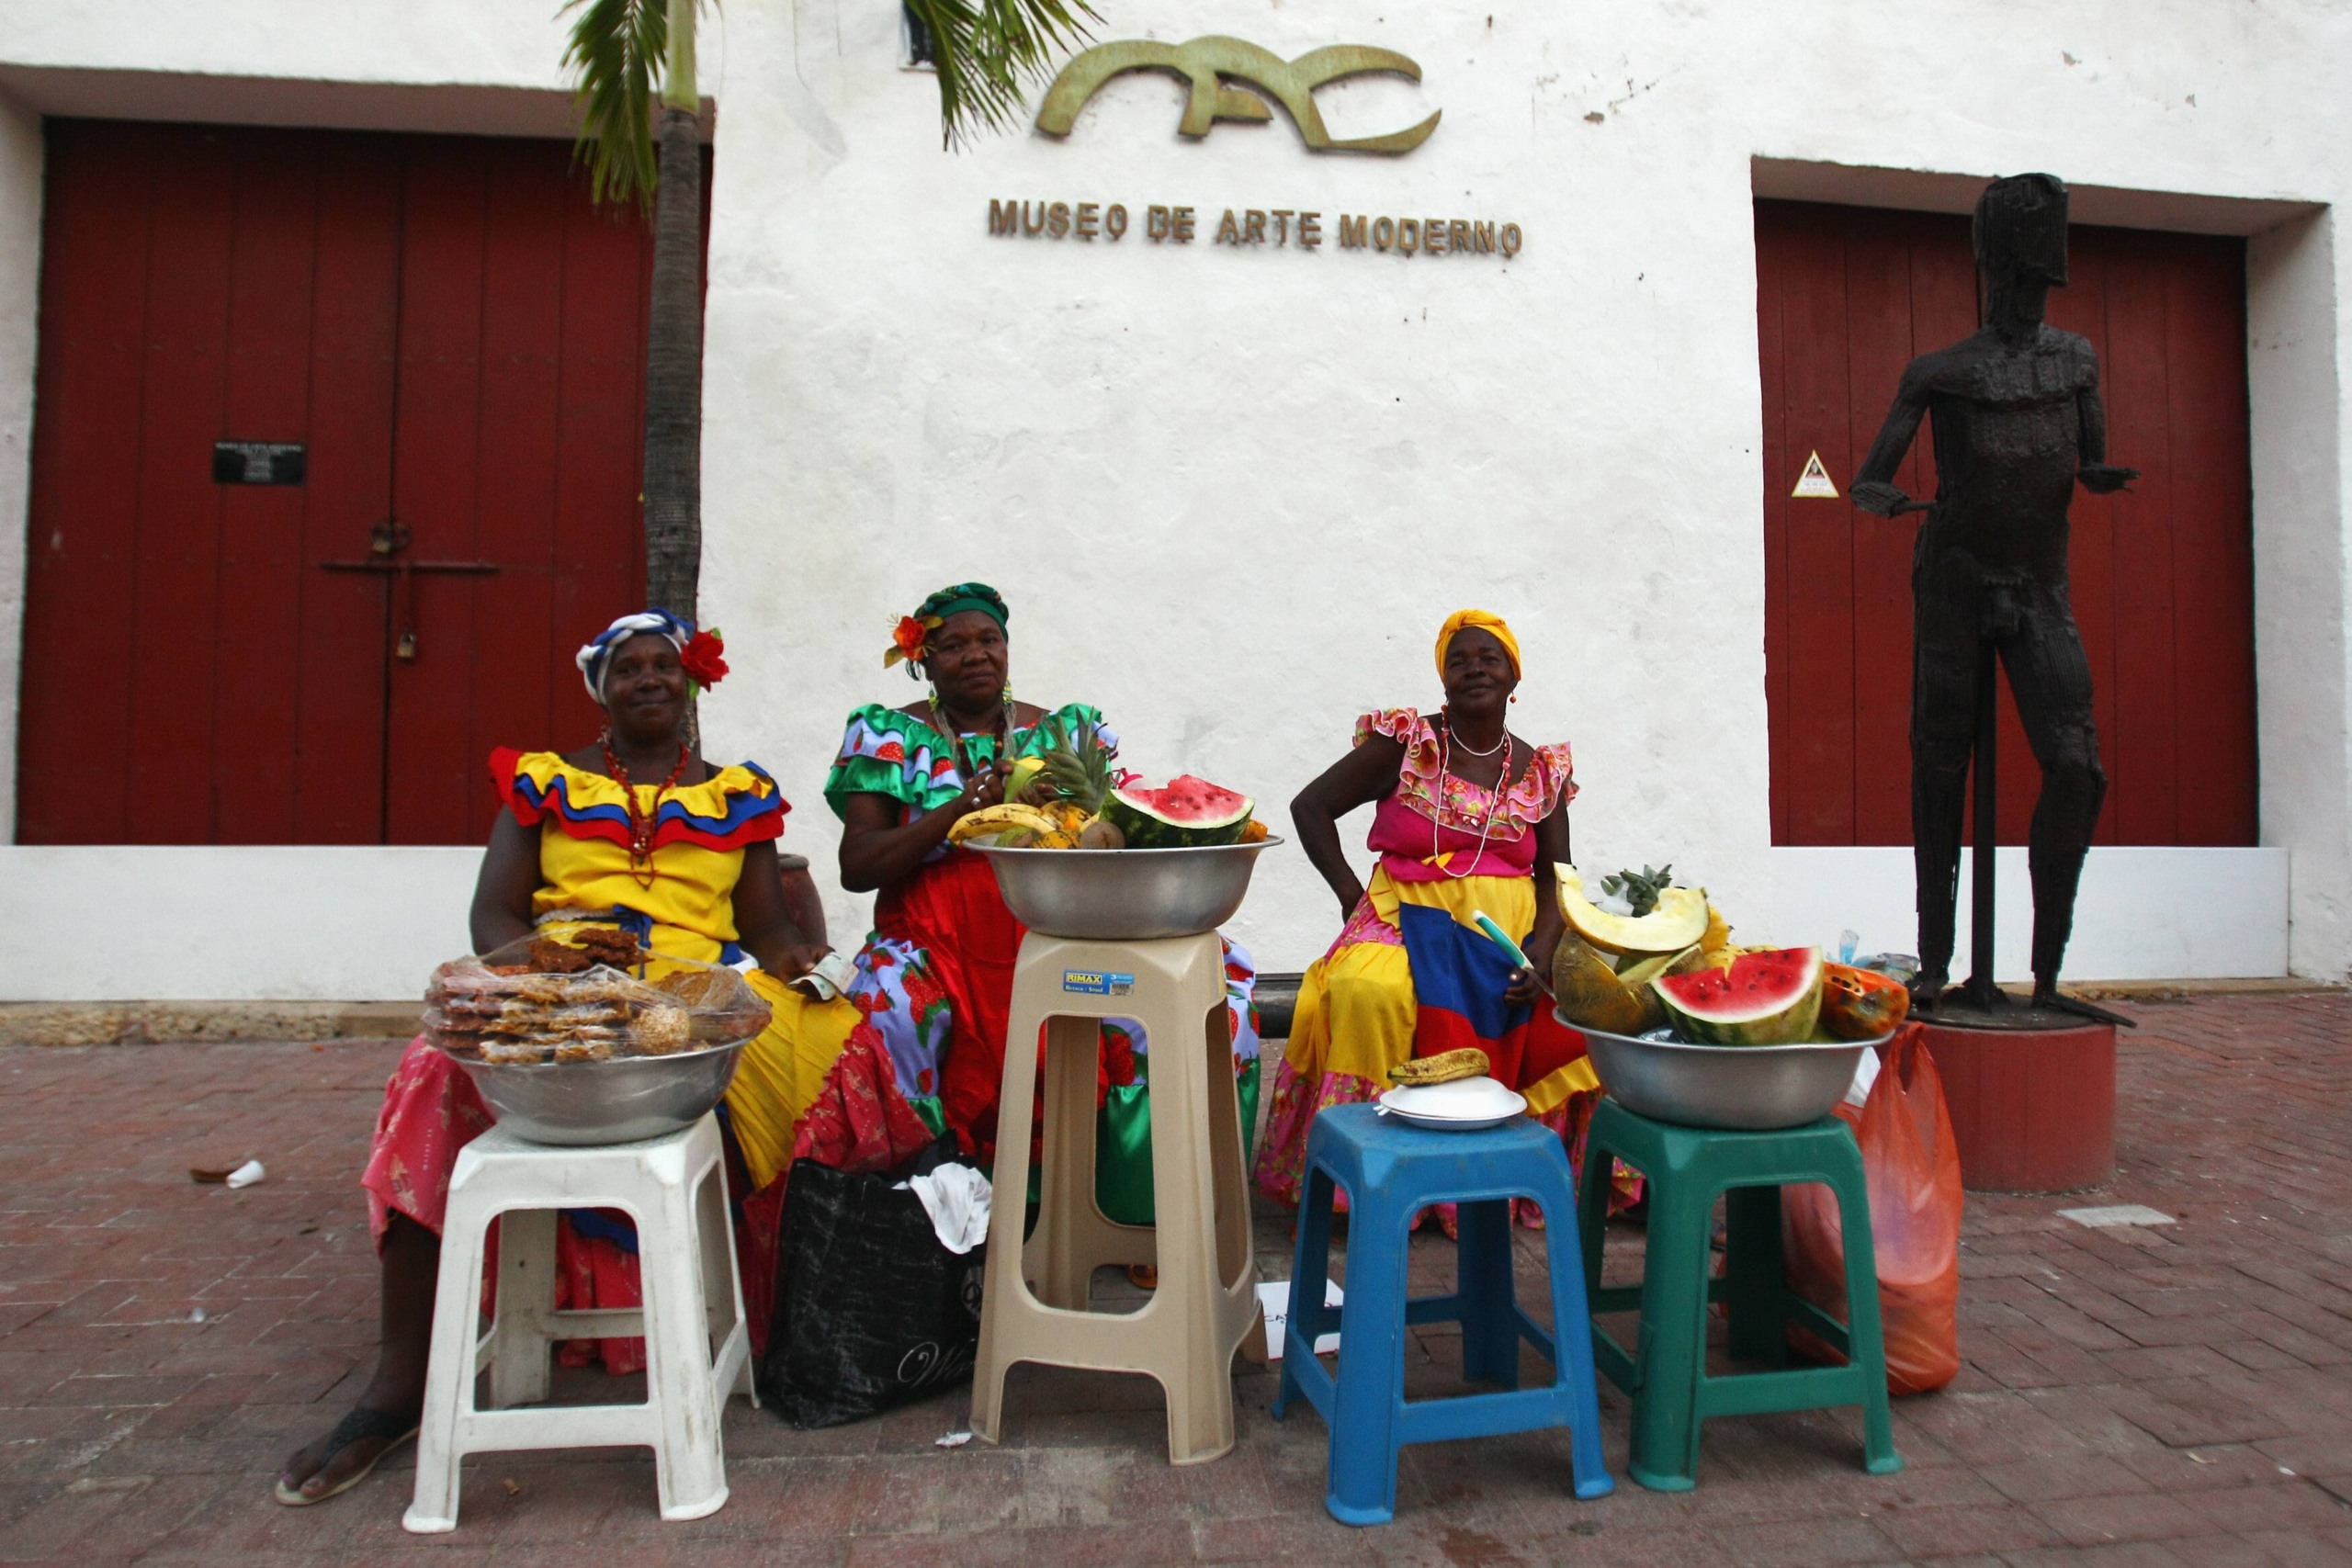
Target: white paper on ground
<point>2114,1215</point>
<point>246,1174</point>
<point>956,1199</point>
<point>1274,1300</point>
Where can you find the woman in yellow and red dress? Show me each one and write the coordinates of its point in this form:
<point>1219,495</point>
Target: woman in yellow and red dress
<point>635,830</point>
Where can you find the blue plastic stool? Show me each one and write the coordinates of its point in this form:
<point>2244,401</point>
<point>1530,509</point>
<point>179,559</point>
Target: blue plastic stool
<point>1391,1172</point>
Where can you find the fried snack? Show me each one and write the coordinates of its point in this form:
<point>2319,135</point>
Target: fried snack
<point>695,988</point>
<point>615,949</point>
<point>660,1030</point>
<point>538,1000</point>
<point>550,957</point>
<point>1467,1062</point>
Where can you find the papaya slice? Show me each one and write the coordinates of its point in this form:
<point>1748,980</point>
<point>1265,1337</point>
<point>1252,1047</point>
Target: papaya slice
<point>1861,1004</point>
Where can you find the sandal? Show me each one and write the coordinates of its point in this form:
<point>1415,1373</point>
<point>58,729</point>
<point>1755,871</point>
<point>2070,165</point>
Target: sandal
<point>357,1423</point>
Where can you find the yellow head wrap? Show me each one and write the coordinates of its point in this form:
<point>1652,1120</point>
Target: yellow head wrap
<point>1485,621</point>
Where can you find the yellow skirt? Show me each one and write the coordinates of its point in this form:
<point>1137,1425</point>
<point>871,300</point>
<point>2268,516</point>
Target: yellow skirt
<point>1357,1007</point>
<point>778,1076</point>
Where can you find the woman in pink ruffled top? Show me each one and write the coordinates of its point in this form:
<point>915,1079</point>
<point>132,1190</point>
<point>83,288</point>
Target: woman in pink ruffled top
<point>1467,818</point>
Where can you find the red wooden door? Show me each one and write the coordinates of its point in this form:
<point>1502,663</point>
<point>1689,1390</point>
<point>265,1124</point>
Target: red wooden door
<point>454,335</point>
<point>2162,577</point>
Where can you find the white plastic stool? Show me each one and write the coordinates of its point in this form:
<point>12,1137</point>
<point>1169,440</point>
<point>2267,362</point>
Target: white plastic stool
<point>1206,1305</point>
<point>695,1354</point>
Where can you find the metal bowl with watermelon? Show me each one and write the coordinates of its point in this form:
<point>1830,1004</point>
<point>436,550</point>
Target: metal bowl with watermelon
<point>1190,849</point>
<point>1747,1053</point>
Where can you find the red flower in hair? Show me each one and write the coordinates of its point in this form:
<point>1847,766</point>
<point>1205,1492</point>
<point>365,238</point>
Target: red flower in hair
<point>704,659</point>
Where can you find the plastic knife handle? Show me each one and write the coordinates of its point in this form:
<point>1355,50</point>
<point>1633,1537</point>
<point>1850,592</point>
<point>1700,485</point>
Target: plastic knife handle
<point>1497,935</point>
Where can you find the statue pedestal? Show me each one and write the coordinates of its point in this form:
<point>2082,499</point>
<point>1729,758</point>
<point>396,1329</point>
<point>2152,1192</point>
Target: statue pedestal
<point>2032,1109</point>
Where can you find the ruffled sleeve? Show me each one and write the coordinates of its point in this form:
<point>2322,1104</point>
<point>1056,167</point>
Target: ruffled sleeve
<point>735,807</point>
<point>885,752</point>
<point>1410,730</point>
<point>1404,726</point>
<point>1555,776</point>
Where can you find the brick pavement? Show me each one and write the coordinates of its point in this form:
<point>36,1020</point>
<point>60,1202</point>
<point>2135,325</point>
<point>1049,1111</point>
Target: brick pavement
<point>2161,1396</point>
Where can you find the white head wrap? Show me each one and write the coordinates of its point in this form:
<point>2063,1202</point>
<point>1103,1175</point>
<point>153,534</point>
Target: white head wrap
<point>596,652</point>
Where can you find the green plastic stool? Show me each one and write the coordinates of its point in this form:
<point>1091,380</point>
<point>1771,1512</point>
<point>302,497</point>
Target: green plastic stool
<point>1667,1377</point>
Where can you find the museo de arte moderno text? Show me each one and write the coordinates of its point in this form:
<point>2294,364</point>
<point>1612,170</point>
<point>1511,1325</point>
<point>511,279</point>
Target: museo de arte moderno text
<point>1285,227</point>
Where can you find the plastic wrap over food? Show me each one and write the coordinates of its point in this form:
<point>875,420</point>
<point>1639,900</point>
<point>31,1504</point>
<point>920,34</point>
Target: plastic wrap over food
<point>593,997</point>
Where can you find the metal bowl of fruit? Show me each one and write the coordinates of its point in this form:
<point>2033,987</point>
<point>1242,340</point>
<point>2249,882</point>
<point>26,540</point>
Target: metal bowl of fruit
<point>1736,1088</point>
<point>1126,895</point>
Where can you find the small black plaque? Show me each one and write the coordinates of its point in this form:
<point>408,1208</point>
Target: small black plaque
<point>257,462</point>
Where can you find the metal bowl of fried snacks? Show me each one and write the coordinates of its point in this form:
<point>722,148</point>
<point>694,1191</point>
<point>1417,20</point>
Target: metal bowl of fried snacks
<point>617,1099</point>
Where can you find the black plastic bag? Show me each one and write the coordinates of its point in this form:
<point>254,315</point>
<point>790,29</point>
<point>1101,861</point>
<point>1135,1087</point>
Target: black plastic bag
<point>871,1311</point>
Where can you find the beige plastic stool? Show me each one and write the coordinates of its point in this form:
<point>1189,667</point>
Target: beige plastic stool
<point>1206,1305</point>
<point>698,1345</point>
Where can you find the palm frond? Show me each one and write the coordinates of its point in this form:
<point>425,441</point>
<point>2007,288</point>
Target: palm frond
<point>988,50</point>
<point>614,59</point>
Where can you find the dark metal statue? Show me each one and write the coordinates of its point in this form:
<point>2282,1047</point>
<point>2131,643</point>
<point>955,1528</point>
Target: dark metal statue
<point>2018,422</point>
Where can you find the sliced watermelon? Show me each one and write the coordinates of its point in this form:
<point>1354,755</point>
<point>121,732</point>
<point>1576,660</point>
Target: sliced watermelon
<point>1181,814</point>
<point>1764,998</point>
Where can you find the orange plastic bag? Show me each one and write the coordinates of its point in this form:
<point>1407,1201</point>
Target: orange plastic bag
<point>1913,1172</point>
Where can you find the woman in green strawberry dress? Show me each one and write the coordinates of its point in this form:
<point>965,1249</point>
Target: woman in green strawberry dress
<point>934,981</point>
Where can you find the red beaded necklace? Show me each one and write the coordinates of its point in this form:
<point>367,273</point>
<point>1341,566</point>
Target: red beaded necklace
<point>642,821</point>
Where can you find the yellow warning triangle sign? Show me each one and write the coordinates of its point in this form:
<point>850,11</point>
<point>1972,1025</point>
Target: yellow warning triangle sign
<point>1813,482</point>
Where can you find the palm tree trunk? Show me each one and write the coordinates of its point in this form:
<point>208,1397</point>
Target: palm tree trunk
<point>673,376</point>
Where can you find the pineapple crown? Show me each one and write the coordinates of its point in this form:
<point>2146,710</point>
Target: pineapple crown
<point>1640,890</point>
<point>1078,765</point>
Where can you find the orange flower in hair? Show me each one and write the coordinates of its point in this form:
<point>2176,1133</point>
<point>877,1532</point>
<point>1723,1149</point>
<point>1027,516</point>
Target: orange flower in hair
<point>912,641</point>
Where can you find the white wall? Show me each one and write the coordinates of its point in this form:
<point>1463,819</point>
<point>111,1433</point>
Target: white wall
<point>1230,493</point>
<point>20,178</point>
<point>2295,350</point>
<point>144,923</point>
<point>2145,913</point>
<point>414,42</point>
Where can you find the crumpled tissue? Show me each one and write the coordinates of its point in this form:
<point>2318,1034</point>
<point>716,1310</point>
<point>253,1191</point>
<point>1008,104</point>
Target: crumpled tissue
<point>956,1199</point>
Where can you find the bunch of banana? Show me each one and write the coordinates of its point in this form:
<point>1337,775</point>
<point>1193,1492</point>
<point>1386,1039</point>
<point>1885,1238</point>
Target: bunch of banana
<point>1467,1062</point>
<point>1010,826</point>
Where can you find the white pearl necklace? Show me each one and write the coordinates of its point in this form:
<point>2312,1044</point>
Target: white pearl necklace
<point>1493,800</point>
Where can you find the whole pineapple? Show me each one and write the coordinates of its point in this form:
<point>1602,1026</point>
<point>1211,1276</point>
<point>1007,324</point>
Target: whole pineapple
<point>1079,778</point>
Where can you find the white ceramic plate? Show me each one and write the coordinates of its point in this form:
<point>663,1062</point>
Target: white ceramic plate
<point>1463,1105</point>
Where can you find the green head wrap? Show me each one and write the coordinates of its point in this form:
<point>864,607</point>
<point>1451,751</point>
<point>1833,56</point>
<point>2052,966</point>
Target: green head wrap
<point>966,596</point>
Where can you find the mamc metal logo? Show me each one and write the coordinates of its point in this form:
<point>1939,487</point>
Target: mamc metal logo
<point>1226,76</point>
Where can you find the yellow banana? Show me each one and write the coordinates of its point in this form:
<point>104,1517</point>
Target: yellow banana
<point>995,819</point>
